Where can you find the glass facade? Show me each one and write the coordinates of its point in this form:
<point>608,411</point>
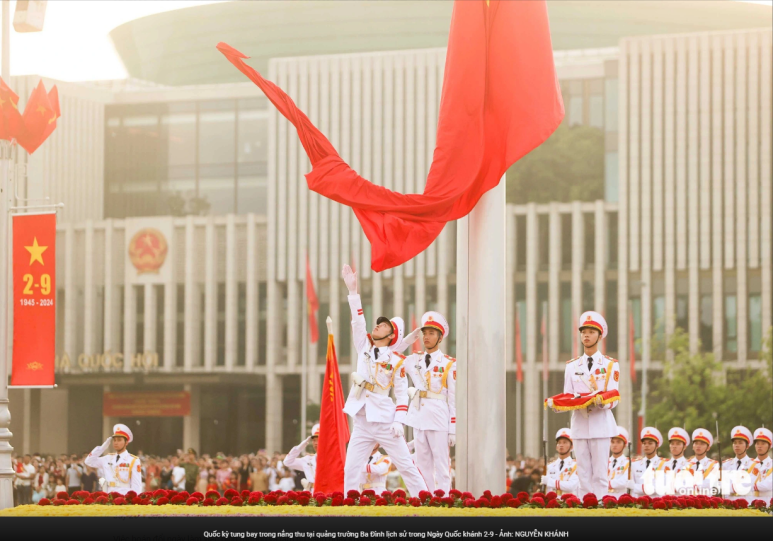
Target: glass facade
<point>180,158</point>
<point>755,323</point>
<point>731,324</point>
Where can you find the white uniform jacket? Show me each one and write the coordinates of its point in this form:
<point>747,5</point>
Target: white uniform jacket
<point>763,485</point>
<point>708,477</point>
<point>307,464</point>
<point>562,476</point>
<point>374,474</point>
<point>681,464</point>
<point>617,473</point>
<point>388,372</point>
<point>121,472</point>
<point>439,378</point>
<point>594,421</point>
<point>729,467</point>
<point>639,477</point>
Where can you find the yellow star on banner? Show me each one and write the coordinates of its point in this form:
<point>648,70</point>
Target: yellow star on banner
<point>36,251</point>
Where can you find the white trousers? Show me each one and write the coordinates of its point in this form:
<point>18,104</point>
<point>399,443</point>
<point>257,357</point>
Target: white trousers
<point>592,461</point>
<point>432,457</point>
<point>364,437</point>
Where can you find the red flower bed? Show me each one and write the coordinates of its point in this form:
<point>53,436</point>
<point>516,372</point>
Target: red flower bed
<point>367,498</point>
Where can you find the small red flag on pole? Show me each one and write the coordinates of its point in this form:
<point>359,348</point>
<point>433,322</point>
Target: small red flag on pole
<point>632,342</point>
<point>333,428</point>
<point>518,352</point>
<point>312,304</point>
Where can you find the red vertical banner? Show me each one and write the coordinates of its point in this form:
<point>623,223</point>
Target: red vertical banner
<point>312,304</point>
<point>34,295</point>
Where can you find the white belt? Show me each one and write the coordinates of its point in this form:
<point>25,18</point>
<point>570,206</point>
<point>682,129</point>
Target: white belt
<point>435,396</point>
<point>373,388</point>
<point>366,486</point>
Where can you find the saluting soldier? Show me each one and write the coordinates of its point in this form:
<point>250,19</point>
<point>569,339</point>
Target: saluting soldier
<point>377,419</point>
<point>120,471</point>
<point>645,468</point>
<point>562,472</point>
<point>307,464</point>
<point>432,409</point>
<point>618,462</point>
<point>705,470</point>
<point>592,427</point>
<point>374,474</point>
<point>763,480</point>
<point>741,438</point>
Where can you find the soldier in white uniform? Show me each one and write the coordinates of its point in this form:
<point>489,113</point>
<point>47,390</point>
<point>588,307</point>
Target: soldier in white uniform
<point>432,409</point>
<point>678,440</point>
<point>376,418</point>
<point>562,472</point>
<point>120,471</point>
<point>307,464</point>
<point>707,480</point>
<point>763,480</point>
<point>592,427</point>
<point>617,472</point>
<point>374,474</point>
<point>645,468</point>
<point>739,485</point>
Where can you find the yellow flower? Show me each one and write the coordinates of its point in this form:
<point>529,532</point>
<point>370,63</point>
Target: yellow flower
<point>290,510</point>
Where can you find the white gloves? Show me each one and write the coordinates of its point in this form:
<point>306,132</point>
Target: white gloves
<point>350,279</point>
<point>547,481</point>
<point>106,445</point>
<point>305,483</point>
<point>451,440</point>
<point>412,337</point>
<point>631,485</point>
<point>397,430</point>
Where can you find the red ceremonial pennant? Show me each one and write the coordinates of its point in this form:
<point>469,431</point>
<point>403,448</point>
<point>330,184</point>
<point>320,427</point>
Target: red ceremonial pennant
<point>34,296</point>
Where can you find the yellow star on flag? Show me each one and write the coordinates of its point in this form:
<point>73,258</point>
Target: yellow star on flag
<point>42,110</point>
<point>36,251</point>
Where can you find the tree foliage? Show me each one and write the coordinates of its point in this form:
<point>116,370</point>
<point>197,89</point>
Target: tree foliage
<point>569,166</point>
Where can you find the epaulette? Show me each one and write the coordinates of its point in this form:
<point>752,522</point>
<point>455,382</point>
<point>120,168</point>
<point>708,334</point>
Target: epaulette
<point>610,358</point>
<point>370,339</point>
<point>449,357</point>
<point>133,456</point>
<point>572,360</point>
<point>552,461</point>
<point>399,354</point>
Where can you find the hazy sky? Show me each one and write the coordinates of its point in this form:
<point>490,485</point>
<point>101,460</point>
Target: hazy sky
<point>74,44</point>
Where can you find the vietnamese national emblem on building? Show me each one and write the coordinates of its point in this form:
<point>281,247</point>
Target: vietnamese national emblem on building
<point>147,250</point>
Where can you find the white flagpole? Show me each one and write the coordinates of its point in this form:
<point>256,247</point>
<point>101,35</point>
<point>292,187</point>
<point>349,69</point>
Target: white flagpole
<point>304,354</point>
<point>481,344</point>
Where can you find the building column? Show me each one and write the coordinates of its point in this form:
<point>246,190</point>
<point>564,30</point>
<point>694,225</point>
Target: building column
<point>532,403</point>
<point>26,433</point>
<point>107,422</point>
<point>231,290</point>
<point>149,325</point>
<point>273,412</point>
<point>210,293</point>
<point>192,422</point>
<point>89,333</point>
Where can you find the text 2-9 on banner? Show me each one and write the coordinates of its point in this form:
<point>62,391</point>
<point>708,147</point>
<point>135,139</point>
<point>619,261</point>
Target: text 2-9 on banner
<point>34,293</point>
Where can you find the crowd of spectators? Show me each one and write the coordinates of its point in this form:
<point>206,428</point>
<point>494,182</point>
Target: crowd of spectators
<point>42,476</point>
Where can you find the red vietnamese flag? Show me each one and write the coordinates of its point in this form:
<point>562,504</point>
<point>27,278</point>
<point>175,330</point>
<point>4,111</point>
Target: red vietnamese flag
<point>518,352</point>
<point>312,304</point>
<point>10,117</point>
<point>40,115</point>
<point>416,348</point>
<point>333,429</point>
<point>500,100</point>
